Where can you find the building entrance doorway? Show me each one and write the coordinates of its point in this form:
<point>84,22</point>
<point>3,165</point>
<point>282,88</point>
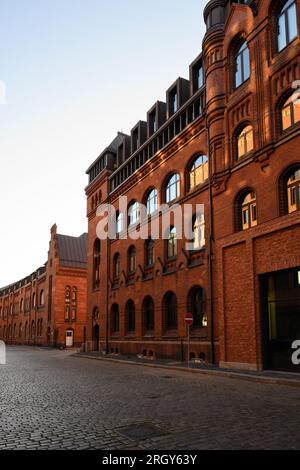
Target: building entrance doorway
<point>281,315</point>
<point>69,338</point>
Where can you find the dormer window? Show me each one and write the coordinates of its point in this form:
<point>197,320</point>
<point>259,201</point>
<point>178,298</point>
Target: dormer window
<point>198,77</point>
<point>135,140</point>
<point>153,122</point>
<point>173,102</point>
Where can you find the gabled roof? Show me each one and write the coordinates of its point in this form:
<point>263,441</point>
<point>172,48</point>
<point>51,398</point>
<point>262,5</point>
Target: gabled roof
<point>72,251</point>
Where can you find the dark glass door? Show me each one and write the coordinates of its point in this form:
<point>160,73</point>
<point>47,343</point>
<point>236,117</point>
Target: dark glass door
<point>281,312</point>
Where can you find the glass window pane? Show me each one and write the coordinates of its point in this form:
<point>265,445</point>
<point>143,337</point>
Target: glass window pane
<point>249,141</point>
<point>241,146</point>
<point>286,118</point>
<point>246,57</point>
<point>238,73</point>
<point>297,111</point>
<point>281,33</point>
<point>292,20</point>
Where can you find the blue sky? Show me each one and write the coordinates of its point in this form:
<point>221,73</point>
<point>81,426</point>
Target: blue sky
<point>76,72</point>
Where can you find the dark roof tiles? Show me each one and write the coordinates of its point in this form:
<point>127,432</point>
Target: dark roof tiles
<point>72,251</point>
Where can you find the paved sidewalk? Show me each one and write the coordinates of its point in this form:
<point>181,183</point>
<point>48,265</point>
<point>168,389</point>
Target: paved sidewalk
<point>266,376</point>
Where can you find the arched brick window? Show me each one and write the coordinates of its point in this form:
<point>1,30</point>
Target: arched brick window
<point>241,64</point>
<point>172,188</point>
<point>197,307</point>
<point>116,266</point>
<point>149,252</point>
<point>131,260</point>
<point>197,171</point>
<point>151,201</point>
<point>115,319</point>
<point>148,315</point>
<point>245,210</point>
<point>170,311</point>
<point>119,222</point>
<point>243,141</point>
<point>287,29</point>
<point>130,316</point>
<point>42,297</point>
<point>171,243</point>
<point>96,271</point>
<point>290,113</point>
<point>289,190</point>
<point>133,213</point>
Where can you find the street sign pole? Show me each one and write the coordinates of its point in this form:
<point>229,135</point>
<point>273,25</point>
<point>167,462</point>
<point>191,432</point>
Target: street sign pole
<point>188,327</point>
<point>188,318</point>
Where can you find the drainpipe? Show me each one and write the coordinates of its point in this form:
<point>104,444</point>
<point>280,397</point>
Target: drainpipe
<point>210,249</point>
<point>107,280</point>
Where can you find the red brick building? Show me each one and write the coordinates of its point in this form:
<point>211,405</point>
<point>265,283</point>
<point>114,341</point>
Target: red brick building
<point>227,138</point>
<point>48,307</point>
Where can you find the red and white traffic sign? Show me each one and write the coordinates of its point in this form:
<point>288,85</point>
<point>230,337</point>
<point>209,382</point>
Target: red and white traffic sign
<point>188,318</point>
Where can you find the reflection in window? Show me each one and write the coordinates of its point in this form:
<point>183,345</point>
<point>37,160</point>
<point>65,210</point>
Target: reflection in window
<point>245,141</point>
<point>242,65</point>
<point>287,25</point>
<point>199,171</point>
<point>173,188</point>
<point>249,211</point>
<point>290,113</point>
<point>293,190</point>
<point>172,243</point>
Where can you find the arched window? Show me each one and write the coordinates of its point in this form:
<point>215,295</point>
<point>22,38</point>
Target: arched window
<point>74,293</point>
<point>74,303</point>
<point>172,189</point>
<point>96,274</point>
<point>242,65</point>
<point>293,191</point>
<point>172,243</point>
<point>245,142</point>
<point>196,306</point>
<point>130,316</point>
<point>67,293</point>
<point>287,24</point>
<point>198,172</point>
<point>170,311</point>
<point>133,213</point>
<point>22,305</point>
<point>289,187</point>
<point>116,266</point>
<point>199,231</point>
<point>148,314</point>
<point>151,202</point>
<point>20,330</point>
<point>149,252</point>
<point>246,216</point>
<point>33,300</point>
<point>42,298</point>
<point>120,222</point>
<point>131,260</point>
<point>290,113</point>
<point>67,302</point>
<point>32,329</point>
<point>115,319</point>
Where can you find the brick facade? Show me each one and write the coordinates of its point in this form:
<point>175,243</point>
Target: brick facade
<point>207,120</point>
<point>33,310</point>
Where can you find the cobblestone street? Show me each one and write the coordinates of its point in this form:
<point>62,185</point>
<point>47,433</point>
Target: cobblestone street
<point>51,400</point>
